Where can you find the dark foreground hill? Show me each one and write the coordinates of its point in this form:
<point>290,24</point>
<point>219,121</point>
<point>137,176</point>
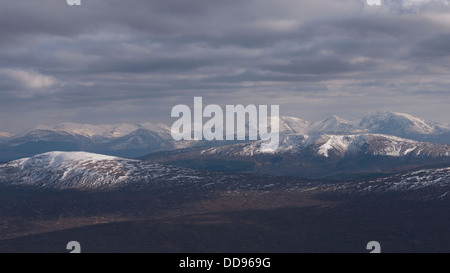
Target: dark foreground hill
<point>407,212</point>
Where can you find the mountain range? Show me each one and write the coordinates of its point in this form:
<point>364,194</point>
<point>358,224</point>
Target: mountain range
<point>314,156</point>
<point>88,172</point>
<point>127,140</point>
<point>136,140</point>
<point>389,123</point>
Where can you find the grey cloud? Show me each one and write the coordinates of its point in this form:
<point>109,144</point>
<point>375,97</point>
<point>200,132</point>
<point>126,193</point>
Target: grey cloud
<point>320,66</point>
<point>142,57</point>
<point>436,47</point>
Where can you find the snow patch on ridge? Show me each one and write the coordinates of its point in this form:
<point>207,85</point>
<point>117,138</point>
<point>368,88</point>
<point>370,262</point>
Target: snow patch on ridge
<point>339,143</point>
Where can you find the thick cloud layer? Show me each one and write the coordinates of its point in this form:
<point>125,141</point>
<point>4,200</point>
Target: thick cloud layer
<point>112,61</point>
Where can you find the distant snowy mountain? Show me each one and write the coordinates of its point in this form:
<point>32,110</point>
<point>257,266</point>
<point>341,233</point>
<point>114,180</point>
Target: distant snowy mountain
<point>405,125</point>
<point>336,146</point>
<point>125,140</point>
<point>333,125</point>
<point>41,141</point>
<point>396,123</point>
<point>292,125</point>
<point>129,140</point>
<point>134,140</point>
<point>311,156</point>
<point>388,123</point>
<point>107,131</point>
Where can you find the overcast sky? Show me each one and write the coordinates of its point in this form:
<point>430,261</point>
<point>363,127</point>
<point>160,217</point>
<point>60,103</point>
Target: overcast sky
<point>112,61</point>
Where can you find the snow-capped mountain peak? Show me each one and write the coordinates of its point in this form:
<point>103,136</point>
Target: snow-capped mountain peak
<point>399,124</point>
<point>338,143</point>
<point>338,146</point>
<point>160,128</point>
<point>89,130</point>
<point>293,125</point>
<point>106,130</point>
<point>333,125</point>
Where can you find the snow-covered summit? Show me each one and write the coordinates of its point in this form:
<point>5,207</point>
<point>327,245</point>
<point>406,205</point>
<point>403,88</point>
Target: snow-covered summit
<point>399,124</point>
<point>107,131</point>
<point>87,171</point>
<point>338,146</point>
<point>59,158</point>
<point>293,125</point>
<point>333,125</point>
<point>389,123</point>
